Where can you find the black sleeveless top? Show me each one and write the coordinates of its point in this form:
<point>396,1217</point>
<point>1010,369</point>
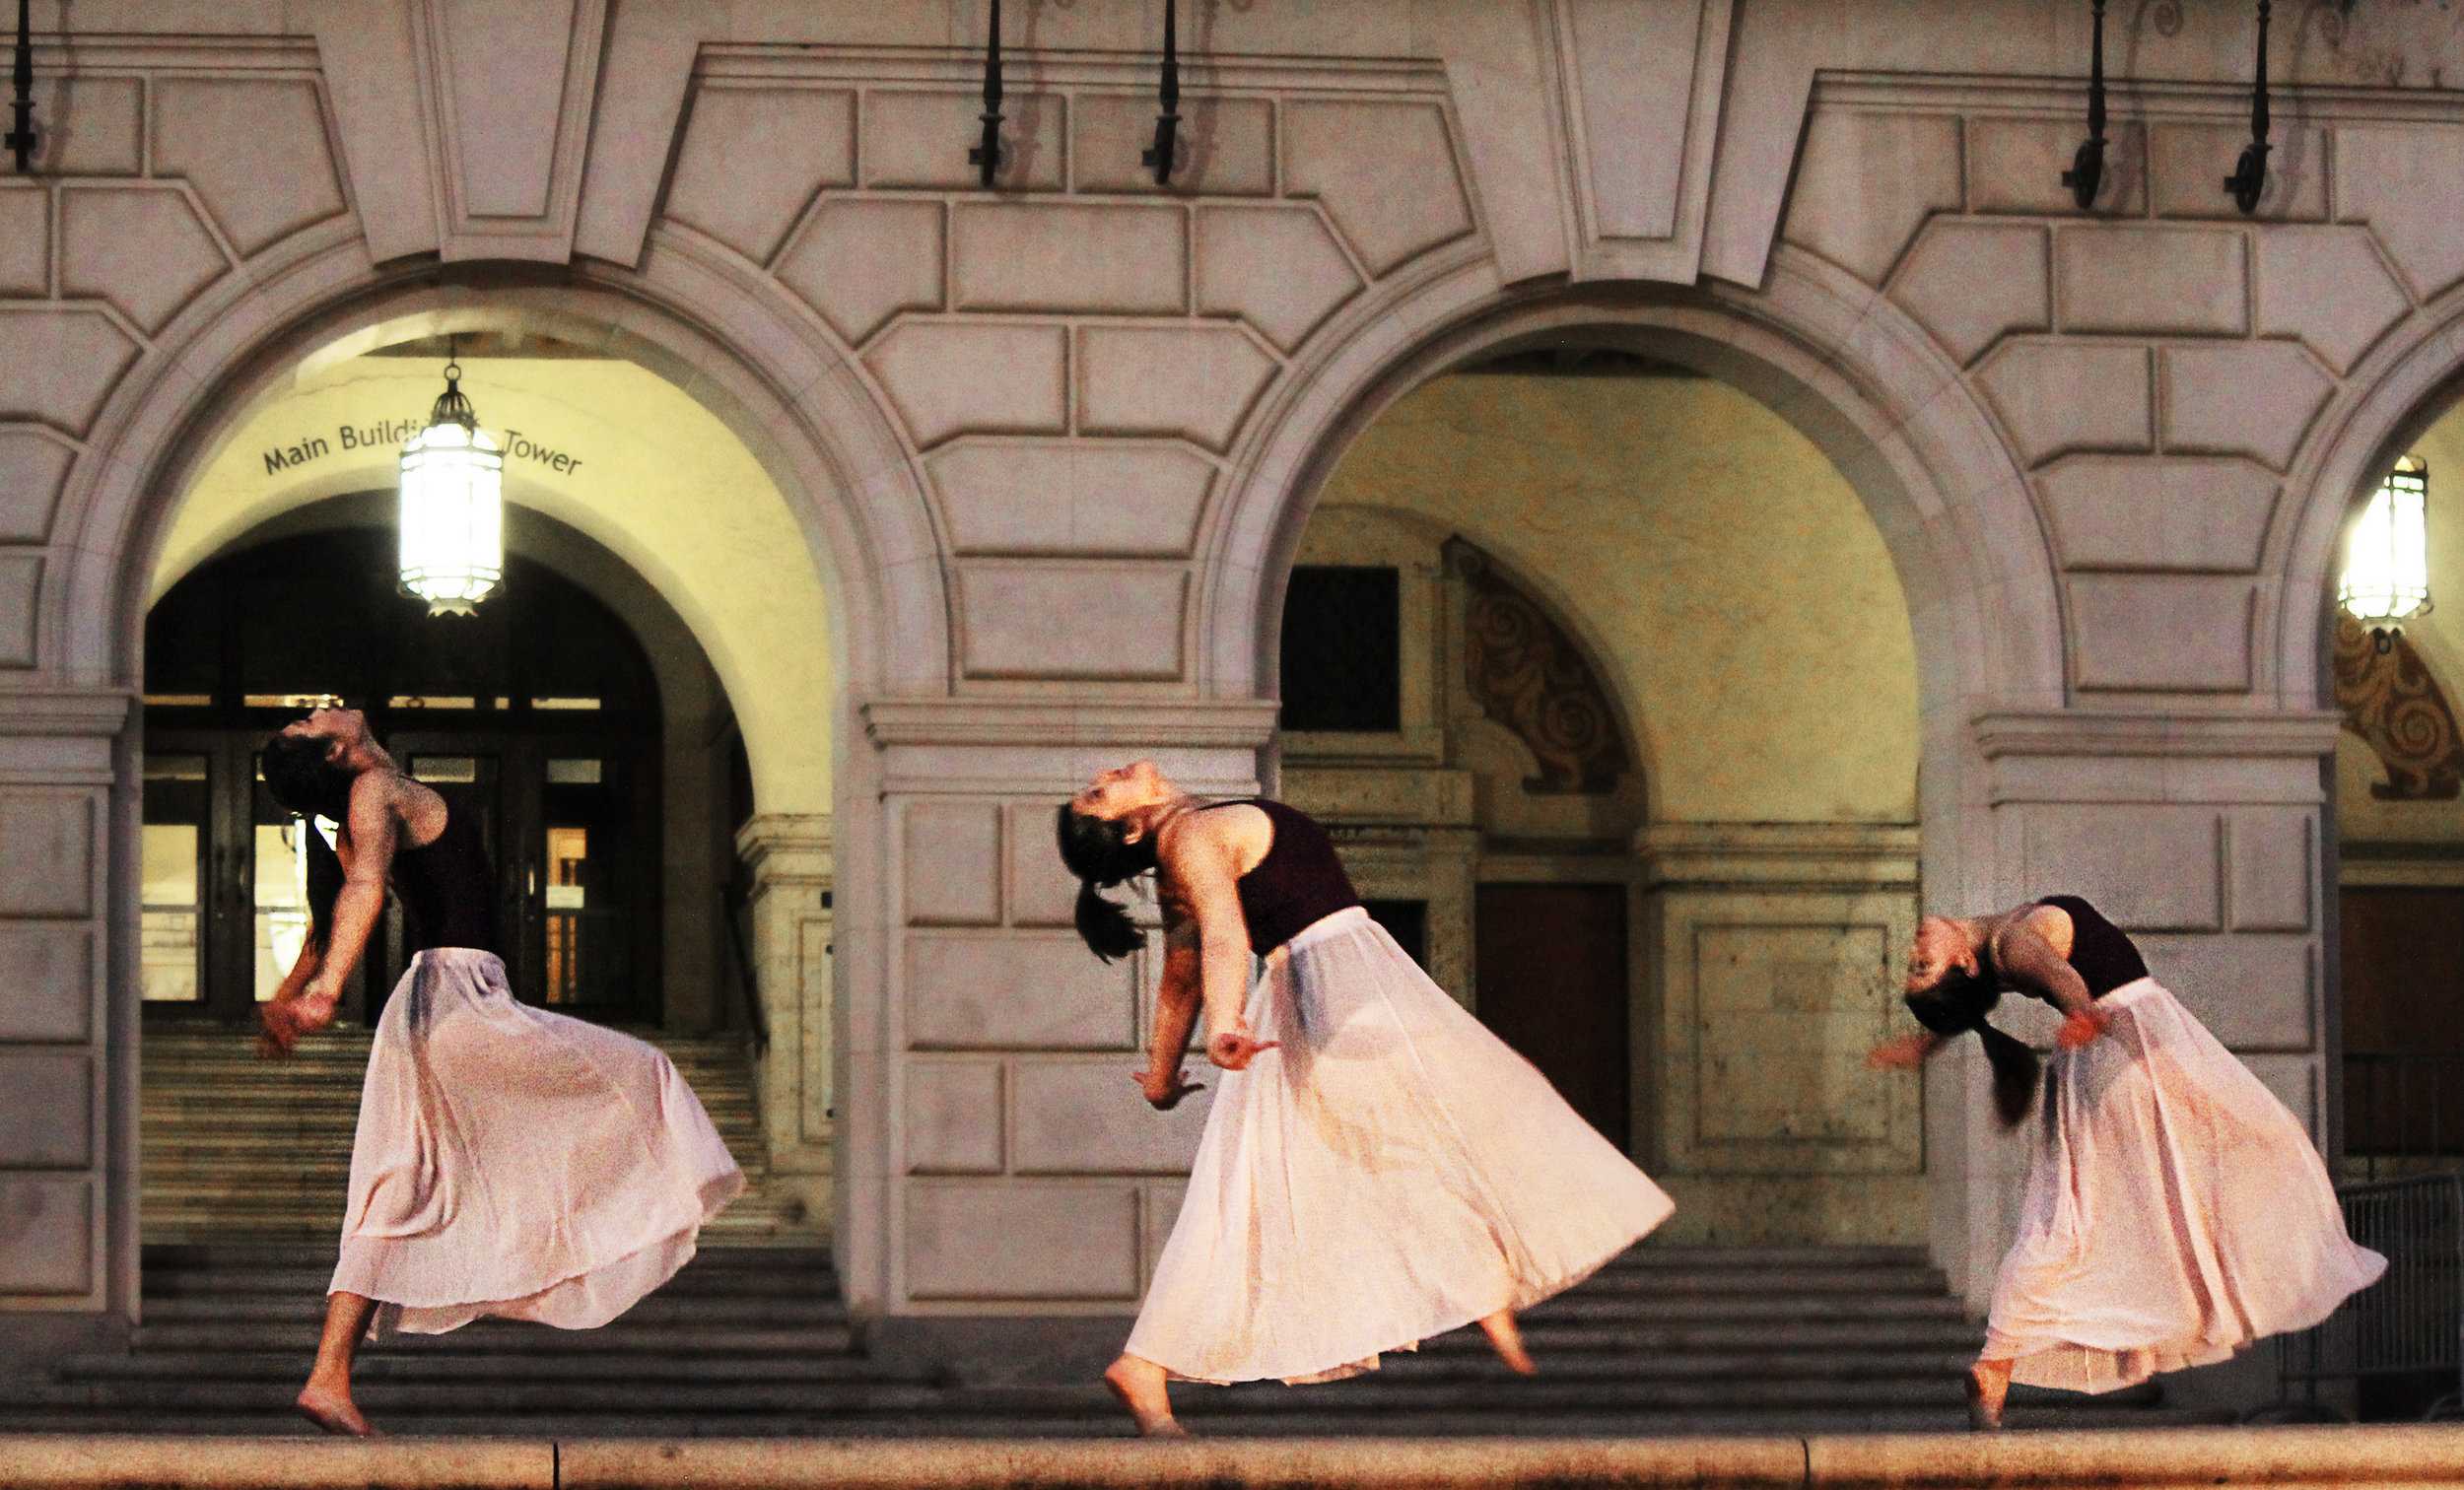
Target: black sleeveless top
<point>2101,953</point>
<point>448,894</point>
<point>1298,882</point>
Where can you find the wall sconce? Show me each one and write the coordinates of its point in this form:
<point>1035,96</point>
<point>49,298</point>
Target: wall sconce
<point>1158,155</point>
<point>23,139</point>
<point>986,156</point>
<point>2249,178</point>
<point>2387,559</point>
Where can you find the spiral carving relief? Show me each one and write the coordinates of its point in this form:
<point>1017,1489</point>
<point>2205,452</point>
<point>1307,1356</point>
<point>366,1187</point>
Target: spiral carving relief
<point>2390,700</point>
<point>1526,674</point>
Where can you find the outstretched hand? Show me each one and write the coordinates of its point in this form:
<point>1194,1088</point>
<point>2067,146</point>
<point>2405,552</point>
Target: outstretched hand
<point>2082,1026</point>
<point>1165,1097</point>
<point>1905,1053</point>
<point>1234,1050</point>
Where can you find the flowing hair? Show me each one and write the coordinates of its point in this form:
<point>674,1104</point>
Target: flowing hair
<point>1957,1005</point>
<point>1100,852</point>
<point>305,785</point>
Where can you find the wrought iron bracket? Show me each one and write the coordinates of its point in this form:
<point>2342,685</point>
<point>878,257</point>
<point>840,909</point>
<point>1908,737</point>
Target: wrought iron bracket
<point>1158,155</point>
<point>23,139</point>
<point>2087,174</point>
<point>2249,179</point>
<point>986,156</point>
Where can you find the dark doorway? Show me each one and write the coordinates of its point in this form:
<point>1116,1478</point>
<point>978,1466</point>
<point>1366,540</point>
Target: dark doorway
<point>538,715</point>
<point>2403,977</point>
<point>1553,984</point>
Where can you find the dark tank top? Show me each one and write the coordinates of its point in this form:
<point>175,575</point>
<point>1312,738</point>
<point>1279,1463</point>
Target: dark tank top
<point>2101,953</point>
<point>1300,880</point>
<point>448,894</point>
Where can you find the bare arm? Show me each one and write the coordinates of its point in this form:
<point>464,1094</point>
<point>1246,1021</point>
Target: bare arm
<point>280,1031</point>
<point>1906,1053</point>
<point>363,898</point>
<point>2024,949</point>
<point>1163,1079</point>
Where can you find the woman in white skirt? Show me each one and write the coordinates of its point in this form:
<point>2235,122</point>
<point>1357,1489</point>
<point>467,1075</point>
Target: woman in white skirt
<point>509,1161</point>
<point>2176,1211</point>
<point>1377,1167</point>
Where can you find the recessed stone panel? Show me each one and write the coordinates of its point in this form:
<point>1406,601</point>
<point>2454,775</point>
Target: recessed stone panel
<point>2252,992</point>
<point>954,1122</point>
<point>82,355</point>
<point>1060,256</point>
<point>33,466</point>
<point>1042,893</point>
<point>47,1118</point>
<point>1783,1016</point>
<point>1024,990</point>
<point>1164,1198</point>
<point>1867,183</point>
<point>2178,513</point>
<point>1117,500</point>
<point>2187,165</point>
<point>2329,287</point>
<point>1350,155</point>
<point>2148,867</point>
<point>860,263</point>
<point>47,851</point>
<point>24,239</point>
<point>753,157</point>
<point>141,249</point>
<point>46,1235</point>
<point>953,863</point>
<point>948,380</point>
<point>1051,622</point>
<point>254,149</point>
<point>1276,268</point>
<point>47,972</point>
<point>2273,864</point>
<point>922,139</point>
<point>1225,146</point>
<point>1072,1118</point>
<point>2057,399</point>
<point>2160,632</point>
<point>2187,279</point>
<point>2295,1079</point>
<point>89,125</point>
<point>1195,382</point>
<point>2248,398</point>
<point>20,588</point>
<point>1971,284</point>
<point>2401,180</point>
<point>2016,165</point>
<point>1000,1242</point>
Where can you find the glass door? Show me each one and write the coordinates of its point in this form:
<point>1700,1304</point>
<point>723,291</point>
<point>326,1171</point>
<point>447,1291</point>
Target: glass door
<point>179,896</point>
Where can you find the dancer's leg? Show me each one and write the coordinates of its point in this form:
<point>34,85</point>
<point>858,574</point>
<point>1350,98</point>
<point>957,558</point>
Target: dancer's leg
<point>1989,1383</point>
<point>326,1399</point>
<point>1506,1338</point>
<point>1140,1385</point>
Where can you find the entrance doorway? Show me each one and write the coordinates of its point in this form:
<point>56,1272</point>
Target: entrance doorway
<point>1553,985</point>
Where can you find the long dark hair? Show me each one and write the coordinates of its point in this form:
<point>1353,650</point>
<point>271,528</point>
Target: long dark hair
<point>305,785</point>
<point>1960,1003</point>
<point>1099,851</point>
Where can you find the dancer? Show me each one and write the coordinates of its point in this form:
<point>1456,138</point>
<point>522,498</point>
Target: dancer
<point>509,1161</point>
<point>2176,1211</point>
<point>1377,1167</point>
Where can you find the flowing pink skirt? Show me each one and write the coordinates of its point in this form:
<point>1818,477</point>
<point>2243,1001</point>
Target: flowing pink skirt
<point>2176,1211</point>
<point>1394,1170</point>
<point>517,1162</point>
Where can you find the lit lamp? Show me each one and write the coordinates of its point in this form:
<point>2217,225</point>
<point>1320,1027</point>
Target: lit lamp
<point>2387,559</point>
<point>452,507</point>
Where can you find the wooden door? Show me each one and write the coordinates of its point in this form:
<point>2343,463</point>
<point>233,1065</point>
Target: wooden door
<point>2403,977</point>
<point>1554,985</point>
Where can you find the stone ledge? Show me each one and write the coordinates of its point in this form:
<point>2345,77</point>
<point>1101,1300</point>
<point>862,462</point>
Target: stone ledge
<point>2384,1455</point>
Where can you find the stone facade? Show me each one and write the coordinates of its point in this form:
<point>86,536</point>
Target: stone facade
<point>1053,446</point>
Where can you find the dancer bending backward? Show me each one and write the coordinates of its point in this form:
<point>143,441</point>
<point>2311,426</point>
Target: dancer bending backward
<point>1377,1167</point>
<point>509,1161</point>
<point>2176,1211</point>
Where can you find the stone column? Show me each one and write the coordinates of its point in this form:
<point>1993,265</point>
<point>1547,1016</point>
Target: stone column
<point>791,860</point>
<point>2200,833</point>
<point>68,1018</point>
<point>1776,951</point>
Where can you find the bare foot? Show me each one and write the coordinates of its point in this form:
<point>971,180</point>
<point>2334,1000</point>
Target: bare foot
<point>1505,1338</point>
<point>333,1411</point>
<point>1140,1385</point>
<point>1988,1385</point>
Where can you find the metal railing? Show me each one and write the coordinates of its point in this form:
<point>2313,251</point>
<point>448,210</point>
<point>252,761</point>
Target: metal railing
<point>2410,1323</point>
<point>2402,1106</point>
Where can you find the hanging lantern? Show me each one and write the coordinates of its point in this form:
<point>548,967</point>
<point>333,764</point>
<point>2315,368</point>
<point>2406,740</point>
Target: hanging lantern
<point>2387,559</point>
<point>452,507</point>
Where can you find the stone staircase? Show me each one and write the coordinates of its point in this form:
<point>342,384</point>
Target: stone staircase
<point>235,1146</point>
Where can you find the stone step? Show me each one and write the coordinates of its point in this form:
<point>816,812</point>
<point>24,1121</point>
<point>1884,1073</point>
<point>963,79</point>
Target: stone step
<point>1778,1305</point>
<point>242,1253</point>
<point>625,1336</point>
<point>660,1308</point>
<point>440,1365</point>
<point>169,1285</point>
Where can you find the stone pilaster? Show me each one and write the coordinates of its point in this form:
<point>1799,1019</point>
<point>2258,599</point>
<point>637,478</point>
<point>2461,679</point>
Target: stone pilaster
<point>790,858</point>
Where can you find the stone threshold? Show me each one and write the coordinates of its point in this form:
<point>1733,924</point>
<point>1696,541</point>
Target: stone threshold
<point>2331,1455</point>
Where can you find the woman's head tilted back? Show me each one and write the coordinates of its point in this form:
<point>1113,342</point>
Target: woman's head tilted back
<point>1950,992</point>
<point>1104,841</point>
<point>307,762</point>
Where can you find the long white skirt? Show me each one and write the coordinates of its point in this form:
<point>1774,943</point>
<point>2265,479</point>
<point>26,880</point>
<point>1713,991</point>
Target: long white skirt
<point>2176,1211</point>
<point>1394,1170</point>
<point>517,1162</point>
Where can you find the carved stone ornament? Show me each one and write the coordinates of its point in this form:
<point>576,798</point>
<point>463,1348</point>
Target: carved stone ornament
<point>2390,700</point>
<point>1526,674</point>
